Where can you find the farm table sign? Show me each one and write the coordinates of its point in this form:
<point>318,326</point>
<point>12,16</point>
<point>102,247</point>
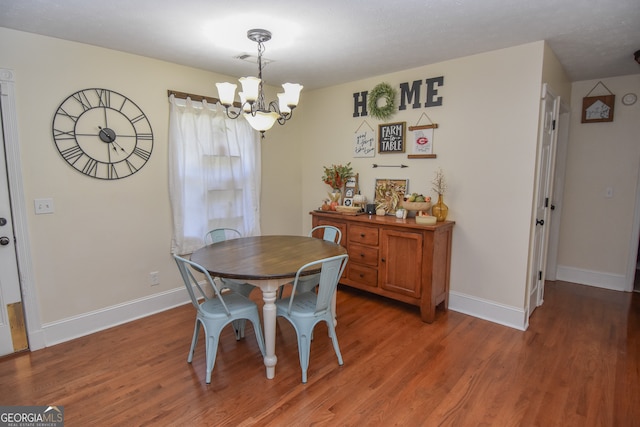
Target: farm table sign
<point>391,137</point>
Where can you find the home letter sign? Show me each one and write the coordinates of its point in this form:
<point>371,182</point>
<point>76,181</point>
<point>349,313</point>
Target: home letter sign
<point>409,95</point>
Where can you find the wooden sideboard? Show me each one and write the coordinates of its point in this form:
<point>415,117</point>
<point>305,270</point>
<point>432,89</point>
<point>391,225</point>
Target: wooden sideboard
<point>396,258</point>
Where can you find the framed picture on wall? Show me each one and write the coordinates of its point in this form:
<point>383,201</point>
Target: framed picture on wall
<point>596,109</point>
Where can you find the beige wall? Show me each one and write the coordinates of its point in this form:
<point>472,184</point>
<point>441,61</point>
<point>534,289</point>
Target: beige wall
<point>553,74</point>
<point>105,237</point>
<point>96,251</point>
<point>596,231</point>
<point>485,143</point>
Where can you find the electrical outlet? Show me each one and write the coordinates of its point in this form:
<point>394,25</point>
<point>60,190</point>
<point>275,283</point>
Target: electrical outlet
<point>43,206</point>
<point>154,279</point>
<point>608,192</point>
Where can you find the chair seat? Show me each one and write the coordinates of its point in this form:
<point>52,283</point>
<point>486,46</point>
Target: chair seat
<point>237,304</point>
<point>303,305</point>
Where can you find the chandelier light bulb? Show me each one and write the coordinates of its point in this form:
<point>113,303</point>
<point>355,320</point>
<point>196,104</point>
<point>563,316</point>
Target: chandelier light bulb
<point>250,87</point>
<point>292,93</point>
<point>226,93</point>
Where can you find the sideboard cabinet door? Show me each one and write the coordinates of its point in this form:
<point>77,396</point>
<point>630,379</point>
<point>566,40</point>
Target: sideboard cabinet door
<point>400,266</point>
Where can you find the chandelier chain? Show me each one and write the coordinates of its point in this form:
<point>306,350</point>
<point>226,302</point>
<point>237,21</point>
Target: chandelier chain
<point>260,104</point>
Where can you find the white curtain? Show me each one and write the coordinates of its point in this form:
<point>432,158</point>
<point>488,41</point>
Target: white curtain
<point>214,173</point>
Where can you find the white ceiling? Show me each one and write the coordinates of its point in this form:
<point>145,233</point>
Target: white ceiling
<point>327,42</point>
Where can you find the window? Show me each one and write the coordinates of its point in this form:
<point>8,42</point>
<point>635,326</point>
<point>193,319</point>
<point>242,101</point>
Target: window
<point>214,173</point>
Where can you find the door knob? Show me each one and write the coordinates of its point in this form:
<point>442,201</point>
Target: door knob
<point>539,221</point>
<point>3,221</point>
<point>4,241</point>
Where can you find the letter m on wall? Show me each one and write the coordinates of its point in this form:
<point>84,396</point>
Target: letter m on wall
<point>408,95</point>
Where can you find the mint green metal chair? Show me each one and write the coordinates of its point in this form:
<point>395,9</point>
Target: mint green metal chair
<point>220,235</point>
<point>304,310</point>
<point>215,313</point>
<point>330,234</point>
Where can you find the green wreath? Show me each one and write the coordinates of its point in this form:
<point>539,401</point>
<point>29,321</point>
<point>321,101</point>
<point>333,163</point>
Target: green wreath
<point>382,90</point>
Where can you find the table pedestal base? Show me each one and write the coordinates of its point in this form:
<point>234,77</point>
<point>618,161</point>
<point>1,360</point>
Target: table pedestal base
<point>269,289</point>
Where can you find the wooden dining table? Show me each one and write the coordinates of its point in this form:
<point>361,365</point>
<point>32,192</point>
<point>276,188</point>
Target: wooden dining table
<point>267,262</point>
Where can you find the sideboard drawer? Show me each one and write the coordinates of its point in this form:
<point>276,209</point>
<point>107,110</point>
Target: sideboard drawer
<point>364,235</point>
<point>363,254</point>
<point>363,275</point>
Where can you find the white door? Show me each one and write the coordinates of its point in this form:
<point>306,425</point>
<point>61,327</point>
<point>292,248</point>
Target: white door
<point>544,185</point>
<point>11,313</point>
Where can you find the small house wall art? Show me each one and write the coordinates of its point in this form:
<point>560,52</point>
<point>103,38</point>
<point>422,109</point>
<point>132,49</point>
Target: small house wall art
<point>596,109</point>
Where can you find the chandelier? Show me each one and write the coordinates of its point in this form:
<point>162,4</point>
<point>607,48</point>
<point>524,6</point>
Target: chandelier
<point>252,104</point>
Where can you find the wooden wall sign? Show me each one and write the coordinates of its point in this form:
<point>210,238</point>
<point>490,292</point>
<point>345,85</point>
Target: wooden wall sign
<point>597,109</point>
<point>422,141</point>
<point>391,137</point>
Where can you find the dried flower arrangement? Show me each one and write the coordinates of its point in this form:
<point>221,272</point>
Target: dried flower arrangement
<point>337,175</point>
<point>439,184</point>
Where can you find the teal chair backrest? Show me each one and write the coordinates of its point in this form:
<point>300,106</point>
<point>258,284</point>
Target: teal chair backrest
<point>331,233</point>
<point>191,283</point>
<point>330,273</point>
<point>220,235</point>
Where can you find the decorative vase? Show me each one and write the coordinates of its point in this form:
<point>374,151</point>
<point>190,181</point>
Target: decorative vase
<point>440,210</point>
<point>335,196</point>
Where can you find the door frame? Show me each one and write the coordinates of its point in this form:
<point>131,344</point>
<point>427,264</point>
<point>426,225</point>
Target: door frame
<point>18,209</point>
<point>562,145</point>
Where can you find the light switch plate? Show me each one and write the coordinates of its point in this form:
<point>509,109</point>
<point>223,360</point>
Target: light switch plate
<point>43,206</point>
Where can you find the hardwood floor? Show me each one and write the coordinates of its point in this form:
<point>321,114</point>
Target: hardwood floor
<point>578,364</point>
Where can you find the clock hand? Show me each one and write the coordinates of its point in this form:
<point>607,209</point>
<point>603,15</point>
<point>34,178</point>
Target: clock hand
<point>117,145</point>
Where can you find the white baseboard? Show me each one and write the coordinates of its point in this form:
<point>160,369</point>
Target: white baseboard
<point>616,282</point>
<point>108,317</point>
<point>492,311</point>
<point>91,322</point>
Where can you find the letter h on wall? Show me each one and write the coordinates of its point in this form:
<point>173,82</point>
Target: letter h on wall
<point>360,103</point>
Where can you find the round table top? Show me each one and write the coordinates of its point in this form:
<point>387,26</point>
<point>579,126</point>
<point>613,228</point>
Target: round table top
<point>264,257</point>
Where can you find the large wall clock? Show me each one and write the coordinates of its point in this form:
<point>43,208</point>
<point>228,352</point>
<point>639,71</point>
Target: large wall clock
<point>102,134</point>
